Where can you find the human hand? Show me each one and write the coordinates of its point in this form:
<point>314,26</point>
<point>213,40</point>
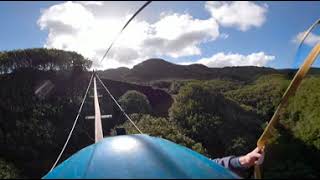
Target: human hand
<point>255,157</point>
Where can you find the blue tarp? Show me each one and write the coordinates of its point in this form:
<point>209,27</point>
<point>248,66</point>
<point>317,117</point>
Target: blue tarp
<point>138,156</point>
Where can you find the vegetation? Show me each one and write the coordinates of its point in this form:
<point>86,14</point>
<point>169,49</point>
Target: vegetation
<point>262,96</point>
<point>161,127</point>
<point>33,129</point>
<point>217,113</point>
<point>135,102</point>
<point>8,170</point>
<point>205,113</point>
<point>41,59</point>
<point>153,70</point>
<point>303,115</point>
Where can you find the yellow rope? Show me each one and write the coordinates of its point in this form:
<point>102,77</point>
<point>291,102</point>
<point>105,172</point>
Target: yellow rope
<point>267,134</point>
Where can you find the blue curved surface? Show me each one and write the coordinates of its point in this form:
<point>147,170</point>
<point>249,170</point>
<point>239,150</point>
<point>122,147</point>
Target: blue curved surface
<point>138,156</point>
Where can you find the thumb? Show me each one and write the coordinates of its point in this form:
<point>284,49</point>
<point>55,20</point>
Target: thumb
<point>260,160</point>
<point>256,150</point>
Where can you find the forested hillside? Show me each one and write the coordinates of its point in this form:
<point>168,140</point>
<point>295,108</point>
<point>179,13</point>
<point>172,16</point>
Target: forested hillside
<point>216,112</point>
<point>153,70</point>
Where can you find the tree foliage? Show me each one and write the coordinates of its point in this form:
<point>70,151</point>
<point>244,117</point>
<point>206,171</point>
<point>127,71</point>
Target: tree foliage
<point>302,115</point>
<point>8,170</point>
<point>135,102</point>
<point>161,127</point>
<point>205,114</point>
<point>42,59</point>
<point>262,96</point>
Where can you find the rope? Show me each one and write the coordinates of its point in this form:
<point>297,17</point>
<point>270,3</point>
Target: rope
<point>119,105</point>
<point>293,86</point>
<point>75,121</point>
<point>124,27</point>
<point>105,54</point>
<point>74,124</point>
<point>308,32</point>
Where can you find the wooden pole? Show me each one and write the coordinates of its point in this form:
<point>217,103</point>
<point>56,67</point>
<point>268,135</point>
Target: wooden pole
<point>98,125</point>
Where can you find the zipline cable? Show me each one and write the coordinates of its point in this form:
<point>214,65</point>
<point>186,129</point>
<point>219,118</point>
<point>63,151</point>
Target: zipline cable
<point>73,126</point>
<point>124,27</point>
<point>75,122</point>
<point>115,101</point>
<point>105,54</point>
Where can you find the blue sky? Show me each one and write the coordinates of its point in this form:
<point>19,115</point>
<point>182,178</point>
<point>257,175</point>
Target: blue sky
<point>283,21</point>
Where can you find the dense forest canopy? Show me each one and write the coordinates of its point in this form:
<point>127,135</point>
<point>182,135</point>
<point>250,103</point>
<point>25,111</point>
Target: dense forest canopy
<point>214,114</point>
<point>42,59</point>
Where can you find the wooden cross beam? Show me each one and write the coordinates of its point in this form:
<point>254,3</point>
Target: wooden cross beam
<point>108,116</point>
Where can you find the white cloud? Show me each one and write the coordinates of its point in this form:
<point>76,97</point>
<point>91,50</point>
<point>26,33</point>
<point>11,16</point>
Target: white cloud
<point>240,14</point>
<point>93,3</point>
<point>89,27</point>
<point>223,60</point>
<point>179,35</point>
<point>311,39</point>
<point>74,26</point>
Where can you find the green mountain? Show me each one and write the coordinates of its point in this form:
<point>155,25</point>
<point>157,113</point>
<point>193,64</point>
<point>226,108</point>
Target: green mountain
<point>159,69</point>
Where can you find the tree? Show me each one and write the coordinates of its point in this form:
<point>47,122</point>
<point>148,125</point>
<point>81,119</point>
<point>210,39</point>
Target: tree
<point>303,114</point>
<point>8,170</point>
<point>262,96</point>
<point>42,59</point>
<point>135,102</point>
<point>193,110</point>
<point>213,120</point>
<point>289,157</point>
<point>161,127</point>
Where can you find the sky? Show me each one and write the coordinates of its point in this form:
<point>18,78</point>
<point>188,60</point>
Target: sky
<point>216,34</point>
